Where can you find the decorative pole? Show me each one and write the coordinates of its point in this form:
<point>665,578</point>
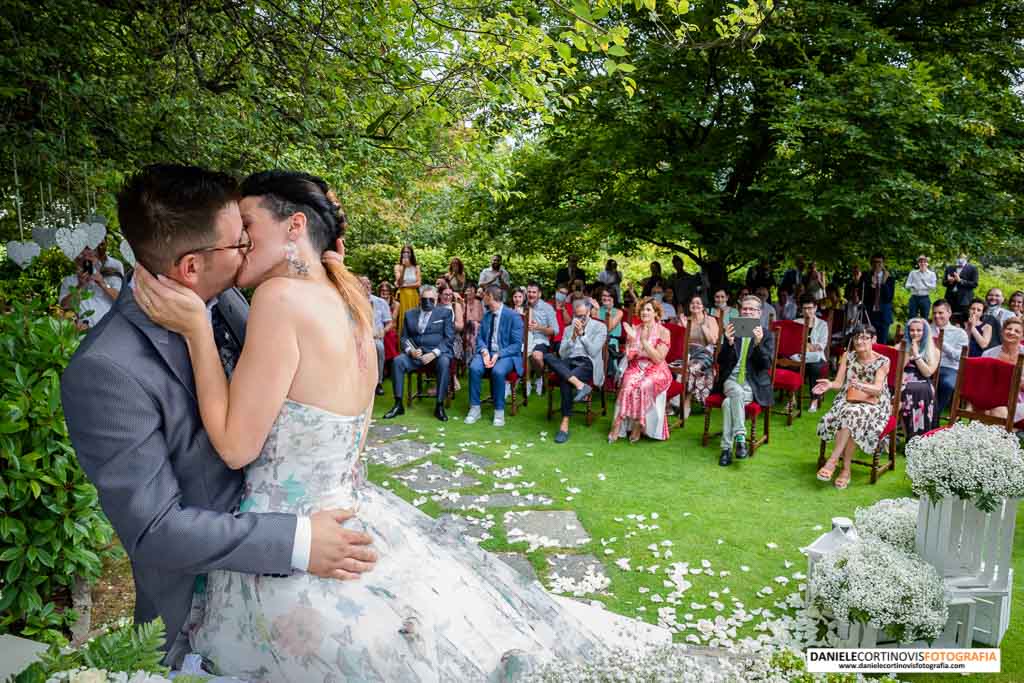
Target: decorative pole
<point>17,196</point>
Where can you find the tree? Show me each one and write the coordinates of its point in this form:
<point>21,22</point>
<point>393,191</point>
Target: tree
<point>853,127</point>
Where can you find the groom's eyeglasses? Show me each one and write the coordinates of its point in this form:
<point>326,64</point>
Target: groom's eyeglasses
<point>244,245</point>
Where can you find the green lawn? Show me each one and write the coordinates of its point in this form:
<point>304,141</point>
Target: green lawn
<point>724,515</point>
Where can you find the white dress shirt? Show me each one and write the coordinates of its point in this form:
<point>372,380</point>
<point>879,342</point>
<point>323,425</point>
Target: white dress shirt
<point>921,283</point>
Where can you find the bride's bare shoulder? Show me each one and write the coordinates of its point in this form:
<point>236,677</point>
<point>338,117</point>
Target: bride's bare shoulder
<point>280,295</point>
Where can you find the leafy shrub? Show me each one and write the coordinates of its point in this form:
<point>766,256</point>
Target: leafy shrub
<point>40,281</point>
<point>51,526</point>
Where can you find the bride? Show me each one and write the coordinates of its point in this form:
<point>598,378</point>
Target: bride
<point>295,415</point>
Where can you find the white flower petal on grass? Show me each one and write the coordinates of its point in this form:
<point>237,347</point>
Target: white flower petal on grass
<point>781,580</point>
<point>787,564</point>
<point>705,563</point>
<point>771,546</point>
<point>744,568</point>
<point>601,476</point>
<point>419,501</point>
<point>623,564</point>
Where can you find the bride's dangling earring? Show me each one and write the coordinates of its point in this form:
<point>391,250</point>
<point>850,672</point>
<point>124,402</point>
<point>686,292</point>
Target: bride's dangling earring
<point>296,266</point>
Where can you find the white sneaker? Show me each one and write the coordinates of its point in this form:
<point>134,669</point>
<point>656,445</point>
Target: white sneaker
<point>529,388</point>
<point>473,415</point>
<point>499,418</point>
<point>540,386</point>
<point>813,408</point>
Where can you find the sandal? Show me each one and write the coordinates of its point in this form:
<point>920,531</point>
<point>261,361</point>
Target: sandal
<point>842,483</point>
<point>828,470</point>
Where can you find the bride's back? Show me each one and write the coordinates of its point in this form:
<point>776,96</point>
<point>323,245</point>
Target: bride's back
<point>335,372</point>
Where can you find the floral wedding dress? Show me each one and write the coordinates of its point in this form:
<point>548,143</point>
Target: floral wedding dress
<point>435,608</point>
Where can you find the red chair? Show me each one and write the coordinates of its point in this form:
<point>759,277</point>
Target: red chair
<point>390,344</point>
<point>788,376</point>
<point>984,384</point>
<point>897,359</point>
<point>553,380</point>
<point>751,411</point>
<point>678,358</point>
<point>513,378</point>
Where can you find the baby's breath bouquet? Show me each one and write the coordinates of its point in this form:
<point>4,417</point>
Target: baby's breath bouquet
<point>893,520</point>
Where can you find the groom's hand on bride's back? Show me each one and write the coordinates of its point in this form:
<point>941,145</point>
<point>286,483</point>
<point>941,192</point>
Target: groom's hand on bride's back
<point>337,552</point>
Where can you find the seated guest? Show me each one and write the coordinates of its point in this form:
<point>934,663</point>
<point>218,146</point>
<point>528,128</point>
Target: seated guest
<point>471,326</point>
<point>427,336</point>
<point>382,323</point>
<point>979,331</point>
<point>563,314</point>
<point>744,375</point>
<point>668,311</point>
<point>953,340</point>
<point>579,361</point>
<point>543,326</point>
<point>704,335</point>
<point>768,313</point>
<point>611,278</point>
<point>450,299</point>
<point>668,302</point>
<point>1013,333</point>
<point>832,302</point>
<point>815,367</point>
<point>519,301</point>
<point>723,311</point>
<point>499,347</point>
<point>611,316</point>
<point>861,408</point>
<point>918,404</point>
<point>640,405</point>
<point>1017,304</point>
<point>629,300</point>
<point>994,309</point>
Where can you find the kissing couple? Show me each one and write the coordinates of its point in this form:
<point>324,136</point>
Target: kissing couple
<point>225,443</point>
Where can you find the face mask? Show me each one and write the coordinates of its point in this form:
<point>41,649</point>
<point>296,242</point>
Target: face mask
<point>659,297</point>
<point>560,297</point>
<point>427,304</point>
<point>961,262</point>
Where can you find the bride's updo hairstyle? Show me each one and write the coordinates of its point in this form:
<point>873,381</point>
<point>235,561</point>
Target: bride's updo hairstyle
<point>285,193</point>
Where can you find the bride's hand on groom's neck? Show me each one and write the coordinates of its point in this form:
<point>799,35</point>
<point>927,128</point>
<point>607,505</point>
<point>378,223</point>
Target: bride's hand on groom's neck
<point>169,303</point>
<point>336,552</point>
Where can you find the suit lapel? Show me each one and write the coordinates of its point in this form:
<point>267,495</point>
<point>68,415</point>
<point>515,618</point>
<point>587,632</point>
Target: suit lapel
<point>169,345</point>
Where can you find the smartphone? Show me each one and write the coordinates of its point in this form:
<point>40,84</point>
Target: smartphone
<point>744,327</point>
<point>87,267</point>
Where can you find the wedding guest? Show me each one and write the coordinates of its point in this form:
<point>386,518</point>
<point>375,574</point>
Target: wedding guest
<point>611,316</point>
<point>1013,334</point>
<point>382,323</point>
<point>682,284</point>
<point>456,274</point>
<point>857,281</point>
<point>386,293</point>
<point>861,408</point>
<point>744,375</point>
<point>578,363</point>
<point>640,404</point>
<point>814,283</point>
<point>471,327</point>
<point>655,279</point>
<point>611,278</point>
<point>1017,304</point>
<point>453,301</point>
<point>994,306</point>
<point>817,340</point>
<point>407,282</point>
<point>954,339</point>
<point>880,288</point>
<point>571,272</point>
<point>760,275</point>
<point>979,331</point>
<point>960,280</point>
<point>519,301</point>
<point>768,313</point>
<point>495,275</point>
<point>629,313</point>
<point>918,403</point>
<point>794,276</point>
<point>705,331</point>
<point>921,282</point>
<point>668,303</point>
<point>785,308</point>
<point>543,326</point>
<point>833,301</point>
<point>563,315</point>
<point>668,311</point>
<point>98,277</point>
<point>723,311</point>
<point>499,347</point>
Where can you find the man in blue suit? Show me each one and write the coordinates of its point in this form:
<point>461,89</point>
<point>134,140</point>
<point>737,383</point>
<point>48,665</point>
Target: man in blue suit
<point>499,351</point>
<point>427,337</point>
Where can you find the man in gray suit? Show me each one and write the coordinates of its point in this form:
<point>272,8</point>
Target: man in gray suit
<point>130,405</point>
<point>579,362</point>
<point>427,337</point>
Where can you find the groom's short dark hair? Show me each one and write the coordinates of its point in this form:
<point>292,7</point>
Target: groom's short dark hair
<point>168,209</point>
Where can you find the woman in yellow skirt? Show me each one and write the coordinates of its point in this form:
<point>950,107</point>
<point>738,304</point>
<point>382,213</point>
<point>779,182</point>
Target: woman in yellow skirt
<point>407,282</point>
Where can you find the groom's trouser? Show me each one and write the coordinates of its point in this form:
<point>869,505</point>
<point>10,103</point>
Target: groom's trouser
<point>404,363</point>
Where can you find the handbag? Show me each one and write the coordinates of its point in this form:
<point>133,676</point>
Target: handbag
<point>855,395</point>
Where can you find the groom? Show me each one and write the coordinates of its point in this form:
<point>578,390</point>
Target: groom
<point>130,405</point>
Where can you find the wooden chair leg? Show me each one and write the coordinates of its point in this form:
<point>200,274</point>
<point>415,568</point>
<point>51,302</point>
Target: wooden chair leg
<point>513,408</point>
<point>874,466</point>
<point>767,424</point>
<point>789,408</point>
<point>590,408</point>
<point>707,426</point>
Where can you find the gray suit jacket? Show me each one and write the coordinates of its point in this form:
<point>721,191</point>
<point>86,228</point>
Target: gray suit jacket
<point>591,345</point>
<point>130,405</point>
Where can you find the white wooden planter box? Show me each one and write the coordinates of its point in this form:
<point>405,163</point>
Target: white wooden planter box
<point>957,633</point>
<point>965,544</point>
<point>993,610</point>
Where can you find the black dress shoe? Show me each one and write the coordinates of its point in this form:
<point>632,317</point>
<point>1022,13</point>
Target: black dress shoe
<point>741,450</point>
<point>439,413</point>
<point>726,459</point>
<point>380,390</point>
<point>395,411</point>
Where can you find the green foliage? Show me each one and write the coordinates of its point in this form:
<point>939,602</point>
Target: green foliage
<point>51,526</point>
<point>40,281</point>
<point>127,648</point>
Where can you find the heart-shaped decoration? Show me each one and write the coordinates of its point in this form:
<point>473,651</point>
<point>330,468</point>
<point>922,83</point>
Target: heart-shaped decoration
<point>126,252</point>
<point>44,237</point>
<point>23,253</point>
<point>72,241</point>
<point>96,233</point>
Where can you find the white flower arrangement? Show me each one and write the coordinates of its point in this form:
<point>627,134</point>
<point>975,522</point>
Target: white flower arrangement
<point>871,582</point>
<point>973,461</point>
<point>893,520</point>
<point>84,675</point>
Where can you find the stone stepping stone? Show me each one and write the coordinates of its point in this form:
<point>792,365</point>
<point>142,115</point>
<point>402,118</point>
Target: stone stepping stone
<point>476,529</point>
<point>398,453</point>
<point>546,529</point>
<point>473,460</point>
<point>465,501</point>
<point>384,431</point>
<point>576,575</point>
<point>428,478</point>
<point>520,563</point>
